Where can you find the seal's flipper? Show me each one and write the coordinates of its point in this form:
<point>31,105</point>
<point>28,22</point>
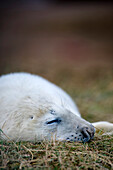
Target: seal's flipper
<point>105,127</point>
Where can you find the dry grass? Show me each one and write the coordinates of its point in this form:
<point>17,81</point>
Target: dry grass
<point>96,154</point>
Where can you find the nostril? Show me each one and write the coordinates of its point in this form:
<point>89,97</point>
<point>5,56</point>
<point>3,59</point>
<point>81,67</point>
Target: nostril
<point>92,132</point>
<point>86,134</point>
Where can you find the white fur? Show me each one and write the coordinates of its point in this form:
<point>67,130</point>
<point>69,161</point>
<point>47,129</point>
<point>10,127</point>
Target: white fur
<point>106,127</point>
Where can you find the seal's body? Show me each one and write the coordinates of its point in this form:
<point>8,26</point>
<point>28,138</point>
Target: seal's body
<point>32,108</point>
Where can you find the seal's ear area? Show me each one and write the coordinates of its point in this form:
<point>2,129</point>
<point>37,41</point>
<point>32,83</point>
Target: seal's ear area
<point>105,127</point>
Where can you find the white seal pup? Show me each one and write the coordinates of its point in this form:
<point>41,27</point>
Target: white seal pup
<point>33,109</point>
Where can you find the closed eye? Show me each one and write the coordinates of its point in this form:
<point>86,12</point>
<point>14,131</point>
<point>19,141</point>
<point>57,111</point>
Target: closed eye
<point>57,120</point>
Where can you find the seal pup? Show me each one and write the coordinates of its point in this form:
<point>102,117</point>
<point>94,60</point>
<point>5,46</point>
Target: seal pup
<point>34,109</point>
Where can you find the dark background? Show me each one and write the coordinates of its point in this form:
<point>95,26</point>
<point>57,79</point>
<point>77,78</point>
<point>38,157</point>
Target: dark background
<point>38,35</point>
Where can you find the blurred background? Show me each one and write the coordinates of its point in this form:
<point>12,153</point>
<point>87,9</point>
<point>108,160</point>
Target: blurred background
<point>68,42</point>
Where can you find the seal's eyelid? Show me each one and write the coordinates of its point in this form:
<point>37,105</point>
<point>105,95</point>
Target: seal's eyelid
<point>57,120</point>
<point>52,112</point>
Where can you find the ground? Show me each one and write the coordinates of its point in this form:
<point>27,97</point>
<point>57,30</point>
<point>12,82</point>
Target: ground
<point>72,47</point>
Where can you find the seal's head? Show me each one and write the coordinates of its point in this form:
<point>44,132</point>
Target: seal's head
<point>54,122</point>
<point>31,123</point>
<point>62,124</point>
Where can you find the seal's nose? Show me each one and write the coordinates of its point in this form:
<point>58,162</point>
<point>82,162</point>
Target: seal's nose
<point>88,133</point>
